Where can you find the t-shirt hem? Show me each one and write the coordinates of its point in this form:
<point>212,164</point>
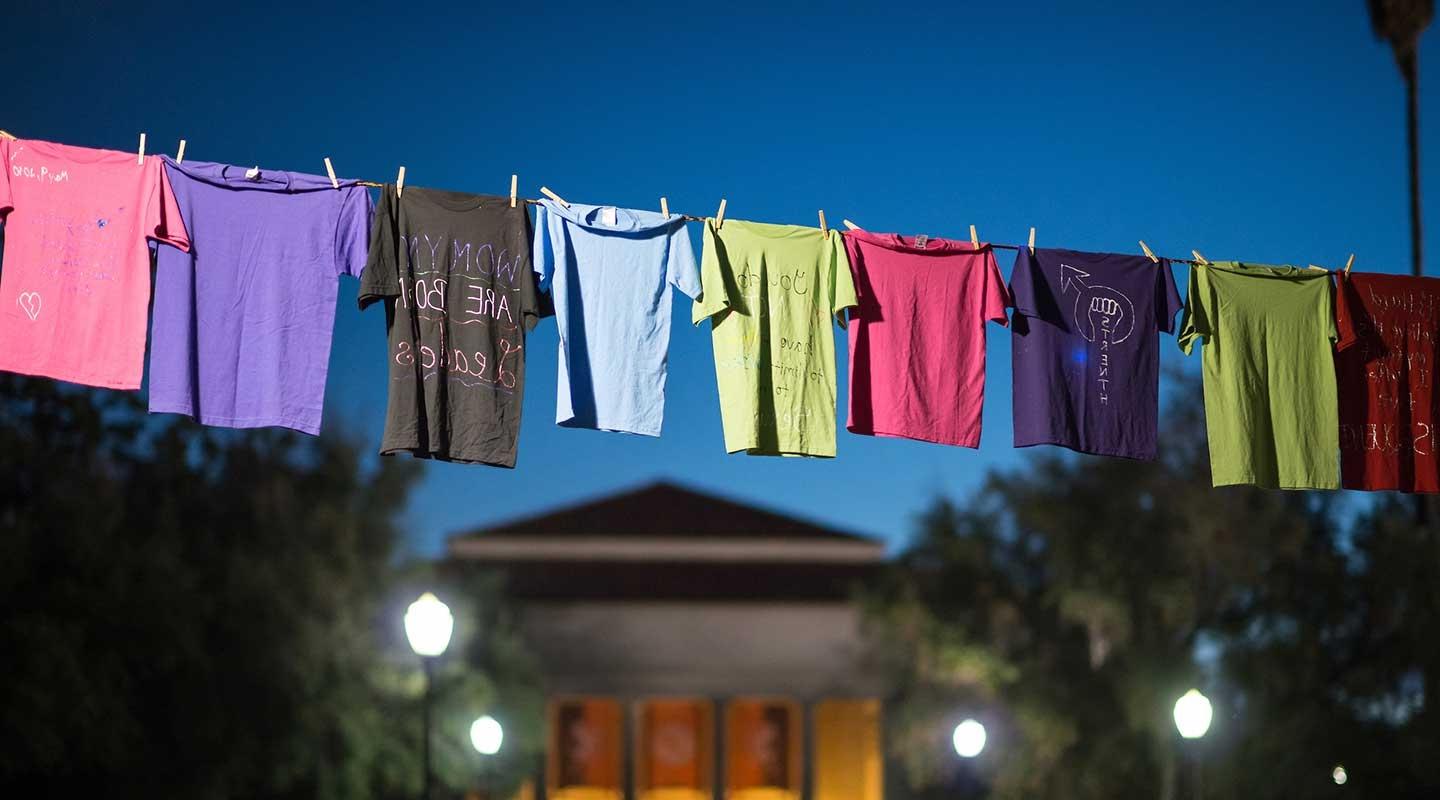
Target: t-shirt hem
<point>973,444</point>
<point>1089,451</point>
<point>303,426</point>
<point>1301,485</point>
<point>756,450</point>
<point>1356,486</point>
<point>451,457</point>
<point>571,422</point>
<point>99,383</point>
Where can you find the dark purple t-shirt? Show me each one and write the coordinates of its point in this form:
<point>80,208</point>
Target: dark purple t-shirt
<point>1085,354</point>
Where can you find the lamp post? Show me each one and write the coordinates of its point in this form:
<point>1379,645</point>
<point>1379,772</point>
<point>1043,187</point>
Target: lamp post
<point>486,735</point>
<point>1192,718</point>
<point>428,625</point>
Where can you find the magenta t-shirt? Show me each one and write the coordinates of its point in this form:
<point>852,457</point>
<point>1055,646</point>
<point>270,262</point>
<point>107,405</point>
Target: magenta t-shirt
<point>242,323</point>
<point>917,338</point>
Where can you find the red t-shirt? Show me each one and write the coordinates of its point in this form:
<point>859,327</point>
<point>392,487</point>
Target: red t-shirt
<point>917,339</point>
<point>1385,370</point>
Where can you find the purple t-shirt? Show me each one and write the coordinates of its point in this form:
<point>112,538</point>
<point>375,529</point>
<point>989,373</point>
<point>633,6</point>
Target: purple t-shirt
<point>1085,356</point>
<point>242,323</point>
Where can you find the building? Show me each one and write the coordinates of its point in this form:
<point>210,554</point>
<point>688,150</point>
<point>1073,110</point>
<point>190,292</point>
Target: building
<point>694,648</point>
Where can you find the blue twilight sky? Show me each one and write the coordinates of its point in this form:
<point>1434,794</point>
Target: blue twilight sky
<point>1245,130</point>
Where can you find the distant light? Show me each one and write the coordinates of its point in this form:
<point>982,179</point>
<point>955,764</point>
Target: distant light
<point>1192,714</point>
<point>486,735</point>
<point>428,625</point>
<point>969,738</point>
<point>1339,775</point>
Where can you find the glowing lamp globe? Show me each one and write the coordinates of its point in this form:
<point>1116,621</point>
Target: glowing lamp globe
<point>1339,775</point>
<point>428,625</point>
<point>486,735</point>
<point>969,738</point>
<point>1192,714</point>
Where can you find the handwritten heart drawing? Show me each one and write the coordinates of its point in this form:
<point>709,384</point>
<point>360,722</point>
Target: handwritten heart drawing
<point>29,302</point>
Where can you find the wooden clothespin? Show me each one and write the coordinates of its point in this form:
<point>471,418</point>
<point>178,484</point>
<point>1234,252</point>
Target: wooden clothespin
<point>180,153</point>
<point>664,206</point>
<point>720,215</point>
<point>400,182</point>
<point>514,183</point>
<point>1145,248</point>
<point>974,237</point>
<point>141,159</point>
<point>1349,262</point>
<point>850,225</point>
<point>824,229</point>
<point>330,170</point>
<point>7,135</point>
<point>1032,240</point>
<point>545,190</point>
<point>1199,257</point>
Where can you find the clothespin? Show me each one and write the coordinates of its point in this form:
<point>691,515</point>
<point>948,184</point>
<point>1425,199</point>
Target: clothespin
<point>1145,248</point>
<point>330,170</point>
<point>7,135</point>
<point>514,182</point>
<point>664,206</point>
<point>1349,262</point>
<point>180,153</point>
<point>546,191</point>
<point>400,182</point>
<point>1199,257</point>
<point>974,237</point>
<point>141,159</point>
<point>720,215</point>
<point>824,229</point>
<point>850,225</point>
<point>1032,240</point>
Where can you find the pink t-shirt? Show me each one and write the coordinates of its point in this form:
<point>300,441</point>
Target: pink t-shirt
<point>917,338</point>
<point>76,282</point>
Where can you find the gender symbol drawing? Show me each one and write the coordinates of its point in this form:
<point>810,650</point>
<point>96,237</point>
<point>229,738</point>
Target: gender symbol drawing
<point>1098,307</point>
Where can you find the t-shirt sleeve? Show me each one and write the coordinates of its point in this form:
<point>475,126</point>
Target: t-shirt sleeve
<point>681,271</point>
<point>997,299</point>
<point>1022,283</point>
<point>715,297</point>
<point>1342,322</point>
<point>381,277</point>
<point>542,255</point>
<point>163,221</point>
<point>1167,296</point>
<point>842,281</point>
<point>352,231</point>
<point>533,304</point>
<point>7,200</point>
<point>1195,323</point>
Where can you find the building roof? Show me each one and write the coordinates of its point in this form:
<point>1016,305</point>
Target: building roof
<point>663,510</point>
<point>668,542</point>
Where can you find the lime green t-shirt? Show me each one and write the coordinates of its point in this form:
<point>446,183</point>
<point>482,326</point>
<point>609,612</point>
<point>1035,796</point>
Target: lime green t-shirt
<point>770,292</point>
<point>1270,402</point>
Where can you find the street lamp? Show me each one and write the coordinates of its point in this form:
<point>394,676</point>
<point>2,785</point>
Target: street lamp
<point>1192,714</point>
<point>486,736</point>
<point>969,738</point>
<point>1192,719</point>
<point>428,625</point>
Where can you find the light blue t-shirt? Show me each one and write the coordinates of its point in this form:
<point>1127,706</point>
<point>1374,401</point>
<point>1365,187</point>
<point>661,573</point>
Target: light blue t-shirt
<point>609,271</point>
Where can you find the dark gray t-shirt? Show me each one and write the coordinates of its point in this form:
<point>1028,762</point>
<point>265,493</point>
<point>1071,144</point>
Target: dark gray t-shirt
<point>454,272</point>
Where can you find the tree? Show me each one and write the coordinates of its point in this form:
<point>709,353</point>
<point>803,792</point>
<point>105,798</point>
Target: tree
<point>1400,23</point>
<point>1074,599</point>
<point>206,613</point>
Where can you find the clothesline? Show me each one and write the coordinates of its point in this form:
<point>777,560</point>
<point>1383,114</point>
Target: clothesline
<point>1198,261</point>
